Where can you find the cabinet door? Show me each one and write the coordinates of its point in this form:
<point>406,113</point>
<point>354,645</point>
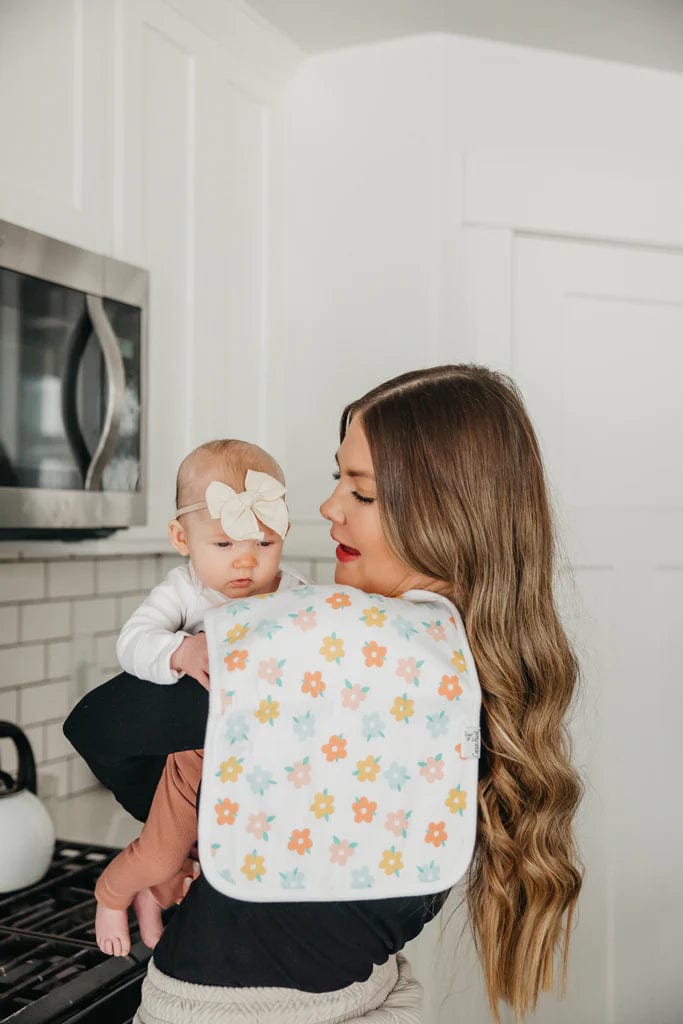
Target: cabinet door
<point>592,334</point>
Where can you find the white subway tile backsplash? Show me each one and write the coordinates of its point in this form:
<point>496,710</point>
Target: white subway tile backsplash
<point>53,779</point>
<point>71,578</point>
<point>58,659</point>
<point>9,705</point>
<point>323,571</point>
<point>25,664</point>
<point>117,575</point>
<point>94,616</point>
<point>35,734</point>
<point>168,562</point>
<point>21,581</point>
<point>80,776</point>
<point>45,702</point>
<point>56,743</point>
<point>9,624</point>
<point>300,565</point>
<point>126,605</point>
<point>105,650</point>
<point>149,572</point>
<point>49,620</point>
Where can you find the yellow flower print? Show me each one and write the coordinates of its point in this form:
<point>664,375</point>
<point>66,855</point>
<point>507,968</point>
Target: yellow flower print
<point>323,805</point>
<point>458,660</point>
<point>391,862</point>
<point>268,710</point>
<point>403,708</point>
<point>368,769</point>
<point>374,617</point>
<point>230,770</point>
<point>254,866</point>
<point>456,801</point>
<point>236,634</point>
<point>333,648</point>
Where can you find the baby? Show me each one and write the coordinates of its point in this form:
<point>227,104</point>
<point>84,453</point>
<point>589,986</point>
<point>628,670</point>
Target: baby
<point>231,519</point>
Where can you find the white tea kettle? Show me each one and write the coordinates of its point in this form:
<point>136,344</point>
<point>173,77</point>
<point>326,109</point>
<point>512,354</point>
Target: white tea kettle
<point>28,835</point>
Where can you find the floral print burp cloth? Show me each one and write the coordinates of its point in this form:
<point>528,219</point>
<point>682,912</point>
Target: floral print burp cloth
<point>342,745</point>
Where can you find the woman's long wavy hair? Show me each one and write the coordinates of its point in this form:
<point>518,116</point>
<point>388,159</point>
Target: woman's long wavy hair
<point>462,498</point>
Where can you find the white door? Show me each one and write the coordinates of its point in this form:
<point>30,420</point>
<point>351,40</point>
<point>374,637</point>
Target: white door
<point>594,338</point>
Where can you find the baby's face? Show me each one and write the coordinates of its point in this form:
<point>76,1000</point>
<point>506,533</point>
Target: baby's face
<point>233,568</point>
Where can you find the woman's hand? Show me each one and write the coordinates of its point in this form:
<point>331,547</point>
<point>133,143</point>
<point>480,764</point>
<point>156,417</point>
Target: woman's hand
<point>192,657</point>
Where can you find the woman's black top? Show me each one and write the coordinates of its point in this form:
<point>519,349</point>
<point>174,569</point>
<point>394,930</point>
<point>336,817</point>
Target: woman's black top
<point>124,730</point>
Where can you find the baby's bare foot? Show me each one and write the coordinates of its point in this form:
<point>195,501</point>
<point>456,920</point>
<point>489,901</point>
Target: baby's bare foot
<point>148,913</point>
<point>111,931</point>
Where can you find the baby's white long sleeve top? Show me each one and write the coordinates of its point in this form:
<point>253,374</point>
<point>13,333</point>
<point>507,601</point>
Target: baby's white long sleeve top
<point>173,610</point>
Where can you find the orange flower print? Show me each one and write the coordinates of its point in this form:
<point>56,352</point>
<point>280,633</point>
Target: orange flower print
<point>368,769</point>
<point>304,619</point>
<point>409,669</point>
<point>236,634</point>
<point>432,768</point>
<point>299,774</point>
<point>338,600</point>
<point>254,866</point>
<point>267,711</point>
<point>323,805</point>
<point>333,648</point>
<point>353,695</point>
<point>436,833</point>
<point>300,841</point>
<point>391,862</point>
<point>456,801</point>
<point>450,687</point>
<point>236,660</point>
<point>403,709</point>
<point>374,617</point>
<point>341,850</point>
<point>335,748</point>
<point>226,812</point>
<point>363,810</point>
<point>230,770</point>
<point>458,660</point>
<point>397,822</point>
<point>374,654</point>
<point>435,630</point>
<point>313,684</point>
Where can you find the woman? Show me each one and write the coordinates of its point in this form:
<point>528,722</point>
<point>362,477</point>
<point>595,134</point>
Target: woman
<point>441,487</point>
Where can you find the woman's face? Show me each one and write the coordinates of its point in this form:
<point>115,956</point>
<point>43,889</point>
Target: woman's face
<point>364,559</point>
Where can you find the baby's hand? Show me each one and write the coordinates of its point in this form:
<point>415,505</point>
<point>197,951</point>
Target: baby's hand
<point>192,657</point>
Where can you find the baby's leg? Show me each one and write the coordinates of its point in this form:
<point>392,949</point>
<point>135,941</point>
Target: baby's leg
<point>158,854</point>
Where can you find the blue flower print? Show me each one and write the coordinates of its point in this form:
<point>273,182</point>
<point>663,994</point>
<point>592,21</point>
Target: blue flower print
<point>304,726</point>
<point>235,607</point>
<point>227,876</point>
<point>266,628</point>
<point>437,725</point>
<point>259,779</point>
<point>303,591</point>
<point>362,879</point>
<point>236,728</point>
<point>404,628</point>
<point>373,726</point>
<point>396,776</point>
<point>429,872</point>
<point>293,879</point>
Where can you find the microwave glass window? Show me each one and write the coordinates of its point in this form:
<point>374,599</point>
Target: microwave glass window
<point>54,389</point>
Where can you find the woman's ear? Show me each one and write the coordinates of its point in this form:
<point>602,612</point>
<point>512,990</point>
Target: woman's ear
<point>178,537</point>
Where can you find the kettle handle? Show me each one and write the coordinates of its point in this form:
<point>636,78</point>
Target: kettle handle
<point>26,775</point>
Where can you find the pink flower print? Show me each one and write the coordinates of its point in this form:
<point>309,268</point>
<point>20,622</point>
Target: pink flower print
<point>409,669</point>
<point>341,850</point>
<point>259,825</point>
<point>270,671</point>
<point>304,619</point>
<point>435,630</point>
<point>432,768</point>
<point>397,823</point>
<point>353,695</point>
<point>299,774</point>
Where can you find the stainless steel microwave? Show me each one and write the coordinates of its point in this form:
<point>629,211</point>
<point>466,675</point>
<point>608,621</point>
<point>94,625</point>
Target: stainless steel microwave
<point>73,329</point>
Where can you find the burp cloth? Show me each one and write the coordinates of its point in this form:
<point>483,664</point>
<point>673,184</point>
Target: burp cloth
<point>341,748</point>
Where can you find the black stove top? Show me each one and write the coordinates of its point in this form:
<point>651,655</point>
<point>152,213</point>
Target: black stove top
<point>51,971</point>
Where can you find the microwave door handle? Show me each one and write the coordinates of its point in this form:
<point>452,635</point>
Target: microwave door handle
<point>116,384</point>
<point>74,350</point>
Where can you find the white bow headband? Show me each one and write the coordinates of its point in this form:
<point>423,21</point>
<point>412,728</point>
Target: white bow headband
<point>262,496</point>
